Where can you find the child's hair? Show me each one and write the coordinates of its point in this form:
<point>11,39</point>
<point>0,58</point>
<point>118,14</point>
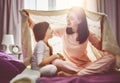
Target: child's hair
<point>40,30</point>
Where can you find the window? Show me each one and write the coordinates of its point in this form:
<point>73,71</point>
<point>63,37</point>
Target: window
<point>59,4</point>
<point>52,4</point>
<point>63,4</point>
<point>36,4</point>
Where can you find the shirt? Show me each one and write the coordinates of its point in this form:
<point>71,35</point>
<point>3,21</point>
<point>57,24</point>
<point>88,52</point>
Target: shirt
<point>41,51</point>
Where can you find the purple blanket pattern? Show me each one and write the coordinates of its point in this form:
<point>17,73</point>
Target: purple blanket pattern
<point>9,67</point>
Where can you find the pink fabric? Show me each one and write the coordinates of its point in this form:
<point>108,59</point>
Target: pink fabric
<point>102,65</point>
<point>74,53</point>
<point>76,59</point>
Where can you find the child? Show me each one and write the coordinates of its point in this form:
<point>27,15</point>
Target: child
<point>41,58</point>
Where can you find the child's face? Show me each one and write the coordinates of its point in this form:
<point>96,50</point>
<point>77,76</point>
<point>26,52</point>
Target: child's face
<point>49,33</point>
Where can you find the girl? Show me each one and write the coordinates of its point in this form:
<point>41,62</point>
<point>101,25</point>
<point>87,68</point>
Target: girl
<point>41,58</point>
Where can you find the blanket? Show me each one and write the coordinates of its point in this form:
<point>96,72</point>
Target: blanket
<point>9,67</point>
<point>27,76</point>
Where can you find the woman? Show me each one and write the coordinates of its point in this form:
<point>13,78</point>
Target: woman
<point>41,58</point>
<point>75,39</point>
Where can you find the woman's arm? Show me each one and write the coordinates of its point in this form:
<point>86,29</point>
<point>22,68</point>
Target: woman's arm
<point>58,31</point>
<point>95,41</point>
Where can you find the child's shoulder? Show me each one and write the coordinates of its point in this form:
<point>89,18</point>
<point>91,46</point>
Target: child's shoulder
<point>40,43</point>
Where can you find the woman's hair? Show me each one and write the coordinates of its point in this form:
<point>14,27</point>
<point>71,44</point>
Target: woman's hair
<point>82,30</point>
<point>69,30</point>
<point>40,30</point>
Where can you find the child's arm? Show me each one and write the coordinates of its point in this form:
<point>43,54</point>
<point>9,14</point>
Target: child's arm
<point>40,57</point>
<point>49,59</point>
<point>39,51</point>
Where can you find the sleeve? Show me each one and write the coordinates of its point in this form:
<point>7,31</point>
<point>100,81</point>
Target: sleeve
<point>40,53</point>
<point>58,31</point>
<point>95,41</point>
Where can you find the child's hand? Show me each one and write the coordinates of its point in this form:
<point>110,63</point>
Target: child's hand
<point>60,56</point>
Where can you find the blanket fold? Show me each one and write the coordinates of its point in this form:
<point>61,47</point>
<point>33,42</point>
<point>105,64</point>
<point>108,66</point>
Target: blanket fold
<point>27,76</point>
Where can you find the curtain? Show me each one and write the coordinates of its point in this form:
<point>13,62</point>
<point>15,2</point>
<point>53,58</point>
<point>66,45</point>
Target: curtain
<point>10,21</point>
<point>112,9</point>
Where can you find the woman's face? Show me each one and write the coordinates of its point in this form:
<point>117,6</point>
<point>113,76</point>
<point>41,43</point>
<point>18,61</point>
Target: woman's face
<point>49,33</point>
<point>72,20</point>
